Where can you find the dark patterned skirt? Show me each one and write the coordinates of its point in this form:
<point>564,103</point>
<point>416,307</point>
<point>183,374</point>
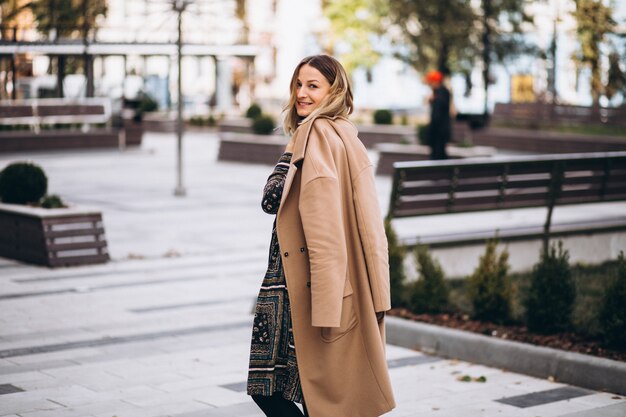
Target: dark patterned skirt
<point>273,366</point>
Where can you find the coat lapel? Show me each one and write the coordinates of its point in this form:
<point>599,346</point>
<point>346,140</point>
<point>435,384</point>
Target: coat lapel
<point>297,156</point>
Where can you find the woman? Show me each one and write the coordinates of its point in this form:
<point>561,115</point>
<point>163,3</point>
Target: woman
<point>318,336</point>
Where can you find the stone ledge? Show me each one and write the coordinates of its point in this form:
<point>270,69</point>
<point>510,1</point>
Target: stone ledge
<point>567,367</point>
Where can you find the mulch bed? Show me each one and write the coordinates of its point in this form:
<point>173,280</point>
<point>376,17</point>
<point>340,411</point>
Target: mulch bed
<point>565,341</point>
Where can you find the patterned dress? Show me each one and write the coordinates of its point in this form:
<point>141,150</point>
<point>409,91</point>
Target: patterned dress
<point>273,367</point>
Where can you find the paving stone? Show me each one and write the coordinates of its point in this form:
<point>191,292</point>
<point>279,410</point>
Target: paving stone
<point>9,389</point>
<point>247,409</point>
<point>545,397</point>
<point>615,410</point>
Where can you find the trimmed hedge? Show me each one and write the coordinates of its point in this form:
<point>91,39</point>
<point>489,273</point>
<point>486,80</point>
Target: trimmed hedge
<point>383,117</point>
<point>22,183</point>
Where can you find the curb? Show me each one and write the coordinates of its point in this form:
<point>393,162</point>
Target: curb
<point>578,369</point>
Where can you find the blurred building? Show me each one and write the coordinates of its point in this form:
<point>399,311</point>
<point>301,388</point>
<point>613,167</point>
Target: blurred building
<point>134,50</point>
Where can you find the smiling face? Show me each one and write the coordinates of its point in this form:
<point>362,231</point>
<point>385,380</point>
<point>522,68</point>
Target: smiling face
<point>311,88</point>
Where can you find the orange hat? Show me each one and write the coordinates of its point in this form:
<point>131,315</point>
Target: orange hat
<point>433,76</point>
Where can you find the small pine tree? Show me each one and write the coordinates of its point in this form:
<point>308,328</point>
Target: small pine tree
<point>429,294</point>
<point>489,286</point>
<point>613,311</point>
<point>552,293</point>
<point>397,276</point>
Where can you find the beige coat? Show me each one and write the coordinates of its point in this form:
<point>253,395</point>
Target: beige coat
<point>335,259</point>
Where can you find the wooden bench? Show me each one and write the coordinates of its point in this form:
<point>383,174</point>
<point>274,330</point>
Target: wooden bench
<point>389,153</point>
<point>41,112</point>
<point>484,184</point>
<point>41,117</point>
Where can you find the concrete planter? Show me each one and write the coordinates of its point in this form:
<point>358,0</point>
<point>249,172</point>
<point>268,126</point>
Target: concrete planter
<point>370,135</point>
<point>133,133</point>
<point>236,125</point>
<point>542,362</point>
<point>250,148</point>
<point>52,237</point>
<point>22,141</point>
<point>538,141</point>
<point>391,152</point>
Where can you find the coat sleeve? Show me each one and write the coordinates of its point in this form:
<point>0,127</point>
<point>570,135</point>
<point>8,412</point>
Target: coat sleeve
<point>373,238</point>
<point>320,211</point>
<point>273,190</point>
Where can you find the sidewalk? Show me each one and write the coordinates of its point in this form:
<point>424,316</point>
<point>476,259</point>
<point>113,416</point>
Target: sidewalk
<point>164,328</point>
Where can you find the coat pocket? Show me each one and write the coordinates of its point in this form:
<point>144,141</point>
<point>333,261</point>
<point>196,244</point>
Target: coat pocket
<point>349,319</point>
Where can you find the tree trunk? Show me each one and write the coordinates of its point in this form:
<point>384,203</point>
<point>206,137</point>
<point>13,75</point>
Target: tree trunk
<point>60,75</point>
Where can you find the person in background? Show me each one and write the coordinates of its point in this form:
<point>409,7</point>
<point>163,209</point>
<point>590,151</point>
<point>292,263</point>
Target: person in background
<point>439,130</point>
<point>318,335</point>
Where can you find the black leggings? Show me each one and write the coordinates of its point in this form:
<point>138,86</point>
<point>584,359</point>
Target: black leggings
<point>277,406</point>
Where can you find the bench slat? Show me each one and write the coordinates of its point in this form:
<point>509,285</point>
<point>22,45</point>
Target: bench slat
<point>16,111</point>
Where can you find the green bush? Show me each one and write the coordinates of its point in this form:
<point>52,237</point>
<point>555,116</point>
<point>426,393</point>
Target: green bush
<point>263,125</point>
<point>202,121</point>
<point>383,117</point>
<point>254,111</point>
<point>613,310</point>
<point>489,286</point>
<point>147,104</point>
<point>552,293</point>
<point>196,121</point>
<point>422,131</point>
<point>429,294</point>
<point>397,276</point>
<point>22,183</point>
<point>52,201</point>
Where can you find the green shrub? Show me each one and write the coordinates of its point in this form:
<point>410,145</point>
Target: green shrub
<point>383,117</point>
<point>422,131</point>
<point>22,183</point>
<point>552,293</point>
<point>263,125</point>
<point>202,121</point>
<point>397,276</point>
<point>429,294</point>
<point>254,111</point>
<point>489,286</point>
<point>196,121</point>
<point>52,201</point>
<point>147,104</point>
<point>613,310</point>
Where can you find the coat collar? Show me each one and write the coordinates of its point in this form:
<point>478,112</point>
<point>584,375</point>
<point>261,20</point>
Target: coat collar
<point>304,130</point>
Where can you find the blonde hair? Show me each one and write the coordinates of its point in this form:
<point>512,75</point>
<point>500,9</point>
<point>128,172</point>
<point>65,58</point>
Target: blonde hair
<point>338,102</point>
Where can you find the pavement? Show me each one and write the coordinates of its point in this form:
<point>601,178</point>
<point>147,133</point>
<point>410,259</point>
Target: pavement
<point>163,329</point>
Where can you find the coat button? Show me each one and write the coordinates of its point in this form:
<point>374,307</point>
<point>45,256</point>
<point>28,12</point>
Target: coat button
<point>308,284</point>
<point>286,254</point>
<point>302,249</point>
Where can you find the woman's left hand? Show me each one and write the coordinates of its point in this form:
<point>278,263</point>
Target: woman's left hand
<point>380,316</point>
